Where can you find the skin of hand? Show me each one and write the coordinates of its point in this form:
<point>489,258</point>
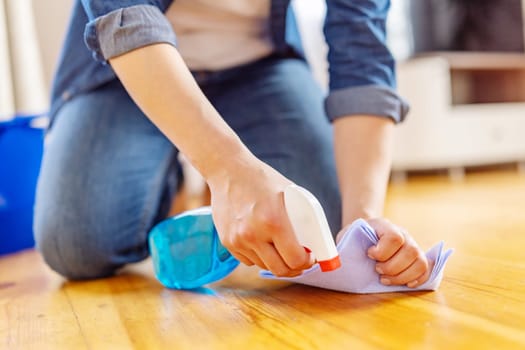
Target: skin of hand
<point>363,152</point>
<point>400,261</point>
<point>251,219</point>
<point>247,194</point>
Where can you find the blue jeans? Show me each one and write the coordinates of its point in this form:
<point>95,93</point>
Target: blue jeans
<point>108,174</point>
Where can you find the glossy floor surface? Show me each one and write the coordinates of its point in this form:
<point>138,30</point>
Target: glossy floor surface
<point>480,304</point>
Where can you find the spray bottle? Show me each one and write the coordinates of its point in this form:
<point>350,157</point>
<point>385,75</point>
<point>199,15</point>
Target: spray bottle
<point>311,227</point>
<point>187,253</point>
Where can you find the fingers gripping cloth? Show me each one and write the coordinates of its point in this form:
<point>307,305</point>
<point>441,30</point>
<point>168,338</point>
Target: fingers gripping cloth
<point>357,273</point>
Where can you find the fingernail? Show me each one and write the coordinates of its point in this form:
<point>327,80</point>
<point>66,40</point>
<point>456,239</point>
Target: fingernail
<point>370,256</point>
<point>385,281</point>
<point>412,284</point>
<point>379,270</point>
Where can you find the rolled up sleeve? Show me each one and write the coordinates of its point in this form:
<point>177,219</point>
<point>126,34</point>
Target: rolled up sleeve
<point>361,67</point>
<point>117,27</point>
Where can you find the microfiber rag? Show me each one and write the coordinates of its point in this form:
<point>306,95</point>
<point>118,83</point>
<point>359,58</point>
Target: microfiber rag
<point>357,272</point>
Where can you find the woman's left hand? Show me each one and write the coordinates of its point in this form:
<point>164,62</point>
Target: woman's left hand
<point>400,261</point>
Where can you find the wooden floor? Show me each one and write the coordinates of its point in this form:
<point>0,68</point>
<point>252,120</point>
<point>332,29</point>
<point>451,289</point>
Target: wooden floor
<point>480,304</point>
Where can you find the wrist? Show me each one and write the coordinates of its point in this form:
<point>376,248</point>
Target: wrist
<point>350,213</point>
<point>230,163</point>
<point>354,211</point>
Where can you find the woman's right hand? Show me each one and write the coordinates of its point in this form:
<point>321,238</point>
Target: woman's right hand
<point>251,220</point>
<point>247,195</point>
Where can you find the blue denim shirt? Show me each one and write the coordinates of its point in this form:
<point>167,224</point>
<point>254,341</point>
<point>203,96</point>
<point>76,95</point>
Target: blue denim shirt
<point>361,68</point>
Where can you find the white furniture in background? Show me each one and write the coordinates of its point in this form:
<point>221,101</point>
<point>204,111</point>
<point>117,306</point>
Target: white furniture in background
<point>442,133</point>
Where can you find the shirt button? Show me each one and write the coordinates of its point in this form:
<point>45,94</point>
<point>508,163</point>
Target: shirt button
<point>66,95</point>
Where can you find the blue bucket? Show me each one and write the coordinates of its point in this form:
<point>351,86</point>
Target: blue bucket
<point>21,147</point>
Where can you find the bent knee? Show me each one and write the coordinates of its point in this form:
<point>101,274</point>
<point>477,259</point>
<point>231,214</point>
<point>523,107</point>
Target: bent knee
<point>71,253</point>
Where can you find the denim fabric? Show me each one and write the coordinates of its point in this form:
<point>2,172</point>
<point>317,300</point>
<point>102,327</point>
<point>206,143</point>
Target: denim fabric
<point>363,100</point>
<point>108,174</point>
<point>126,29</point>
<point>354,30</point>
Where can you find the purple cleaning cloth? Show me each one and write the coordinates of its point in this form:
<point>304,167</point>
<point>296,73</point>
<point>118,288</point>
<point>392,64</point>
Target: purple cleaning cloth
<point>357,272</point>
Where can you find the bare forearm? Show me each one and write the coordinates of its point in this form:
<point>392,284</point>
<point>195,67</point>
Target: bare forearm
<point>160,83</point>
<point>363,147</point>
<point>247,204</point>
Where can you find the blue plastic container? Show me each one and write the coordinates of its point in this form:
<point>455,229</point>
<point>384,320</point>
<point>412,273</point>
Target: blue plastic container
<point>186,251</point>
<point>21,149</point>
